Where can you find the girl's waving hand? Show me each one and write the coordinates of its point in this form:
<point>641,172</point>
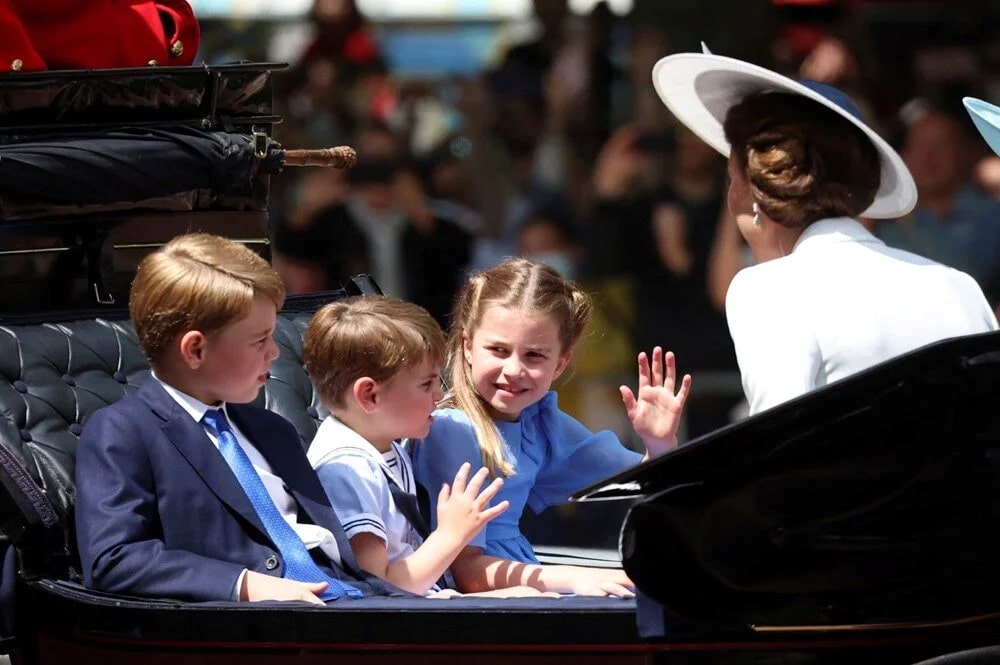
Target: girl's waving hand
<point>656,411</point>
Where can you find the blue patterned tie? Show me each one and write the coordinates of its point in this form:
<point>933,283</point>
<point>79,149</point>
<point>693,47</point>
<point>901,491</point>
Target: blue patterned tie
<point>299,565</point>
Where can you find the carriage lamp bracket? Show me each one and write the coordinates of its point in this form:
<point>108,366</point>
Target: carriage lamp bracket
<point>259,140</point>
<point>98,267</point>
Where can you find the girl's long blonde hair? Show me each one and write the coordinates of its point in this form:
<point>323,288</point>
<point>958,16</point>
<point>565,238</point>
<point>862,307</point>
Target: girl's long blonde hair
<point>518,284</point>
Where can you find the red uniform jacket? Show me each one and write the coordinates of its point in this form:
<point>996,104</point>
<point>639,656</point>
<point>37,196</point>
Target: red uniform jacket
<point>95,34</point>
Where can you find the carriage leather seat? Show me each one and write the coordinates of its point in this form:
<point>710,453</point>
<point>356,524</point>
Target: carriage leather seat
<point>54,375</point>
<point>58,367</point>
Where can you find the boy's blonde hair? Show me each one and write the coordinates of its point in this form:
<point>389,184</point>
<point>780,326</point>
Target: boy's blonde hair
<point>373,336</point>
<point>200,282</point>
<point>517,284</point>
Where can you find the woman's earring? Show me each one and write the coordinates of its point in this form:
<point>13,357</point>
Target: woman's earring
<point>756,215</point>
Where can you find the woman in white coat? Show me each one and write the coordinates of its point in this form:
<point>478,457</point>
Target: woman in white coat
<point>826,298</point>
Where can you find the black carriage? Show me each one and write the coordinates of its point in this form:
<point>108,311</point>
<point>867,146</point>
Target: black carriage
<point>851,525</point>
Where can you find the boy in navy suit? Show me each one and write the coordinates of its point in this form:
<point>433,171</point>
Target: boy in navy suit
<point>184,490</point>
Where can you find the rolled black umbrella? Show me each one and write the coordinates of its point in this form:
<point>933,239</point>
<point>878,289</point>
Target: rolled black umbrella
<point>140,164</point>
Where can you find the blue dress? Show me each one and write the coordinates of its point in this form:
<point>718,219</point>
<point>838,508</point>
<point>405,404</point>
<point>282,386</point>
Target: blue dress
<point>553,455</point>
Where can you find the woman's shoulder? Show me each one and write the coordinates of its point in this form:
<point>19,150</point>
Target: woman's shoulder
<point>747,284</point>
<point>767,282</point>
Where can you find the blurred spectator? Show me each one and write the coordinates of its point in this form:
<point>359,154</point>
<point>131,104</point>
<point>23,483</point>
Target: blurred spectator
<point>578,84</point>
<point>382,226</point>
<point>340,82</point>
<point>639,104</point>
<point>987,176</point>
<point>604,73</point>
<point>505,123</point>
<point>547,235</point>
<point>830,62</point>
<point>955,222</point>
<point>604,358</point>
<point>448,182</point>
<point>535,123</point>
<point>534,57</point>
<point>741,29</point>
<point>564,80</point>
<point>915,43</point>
<point>342,37</point>
<point>656,221</point>
<point>826,41</point>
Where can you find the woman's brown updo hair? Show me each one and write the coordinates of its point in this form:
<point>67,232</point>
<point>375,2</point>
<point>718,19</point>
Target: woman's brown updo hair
<point>803,162</point>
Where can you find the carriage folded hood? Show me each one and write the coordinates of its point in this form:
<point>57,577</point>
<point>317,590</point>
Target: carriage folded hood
<point>875,499</point>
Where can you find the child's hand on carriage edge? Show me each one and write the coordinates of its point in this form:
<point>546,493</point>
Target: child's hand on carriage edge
<point>602,582</point>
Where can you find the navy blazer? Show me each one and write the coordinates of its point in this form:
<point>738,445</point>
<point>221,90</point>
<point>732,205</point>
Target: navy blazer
<point>159,513</point>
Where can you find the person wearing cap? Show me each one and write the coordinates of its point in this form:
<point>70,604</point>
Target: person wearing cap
<point>826,298</point>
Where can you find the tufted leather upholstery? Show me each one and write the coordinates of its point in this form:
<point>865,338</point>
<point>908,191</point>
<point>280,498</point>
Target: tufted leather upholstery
<point>288,390</point>
<point>53,376</point>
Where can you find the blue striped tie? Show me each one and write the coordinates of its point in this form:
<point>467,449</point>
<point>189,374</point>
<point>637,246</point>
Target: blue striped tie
<point>299,564</point>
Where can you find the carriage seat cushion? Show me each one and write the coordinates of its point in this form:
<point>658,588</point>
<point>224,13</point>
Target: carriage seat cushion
<point>53,376</point>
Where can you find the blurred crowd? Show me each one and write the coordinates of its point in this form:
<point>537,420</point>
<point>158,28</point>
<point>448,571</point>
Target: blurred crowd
<point>560,150</point>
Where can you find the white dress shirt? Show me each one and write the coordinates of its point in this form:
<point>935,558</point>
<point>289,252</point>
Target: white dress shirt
<point>839,303</point>
<point>311,534</point>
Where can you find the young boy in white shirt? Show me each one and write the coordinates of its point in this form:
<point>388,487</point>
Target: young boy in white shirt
<point>376,364</point>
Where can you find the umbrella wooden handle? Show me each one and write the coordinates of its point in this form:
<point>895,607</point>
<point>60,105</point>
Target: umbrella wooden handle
<point>341,157</point>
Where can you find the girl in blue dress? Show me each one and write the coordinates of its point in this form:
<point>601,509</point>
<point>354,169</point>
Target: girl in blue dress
<point>513,334</point>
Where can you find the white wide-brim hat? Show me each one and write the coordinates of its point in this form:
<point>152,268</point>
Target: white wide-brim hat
<point>986,117</point>
<point>700,89</point>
